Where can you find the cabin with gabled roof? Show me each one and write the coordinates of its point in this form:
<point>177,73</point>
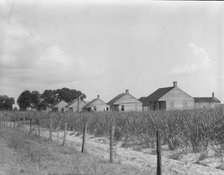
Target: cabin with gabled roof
<point>96,105</point>
<point>168,98</point>
<point>76,105</point>
<point>125,102</point>
<point>206,102</point>
<point>59,106</point>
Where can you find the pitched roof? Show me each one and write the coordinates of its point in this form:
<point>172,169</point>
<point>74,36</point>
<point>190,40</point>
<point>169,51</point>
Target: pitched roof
<point>94,102</point>
<point>116,99</point>
<point>111,102</point>
<point>206,100</point>
<point>73,101</point>
<point>155,96</point>
<point>56,103</point>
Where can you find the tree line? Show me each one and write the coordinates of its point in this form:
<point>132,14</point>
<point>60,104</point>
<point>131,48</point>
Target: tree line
<point>40,101</point>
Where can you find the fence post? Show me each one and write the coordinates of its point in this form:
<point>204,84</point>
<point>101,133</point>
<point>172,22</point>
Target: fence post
<point>111,142</point>
<point>39,128</point>
<point>10,122</point>
<point>24,120</point>
<point>50,131</point>
<point>65,130</point>
<point>1,119</point>
<point>5,120</point>
<point>159,165</point>
<point>14,123</point>
<point>30,125</point>
<point>84,136</point>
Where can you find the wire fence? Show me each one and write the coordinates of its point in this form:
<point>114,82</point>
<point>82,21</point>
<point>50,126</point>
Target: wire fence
<point>45,126</point>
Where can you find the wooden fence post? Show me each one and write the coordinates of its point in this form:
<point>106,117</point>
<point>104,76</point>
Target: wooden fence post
<point>111,142</point>
<point>65,130</point>
<point>1,120</point>
<point>14,123</point>
<point>24,120</point>
<point>159,165</point>
<point>5,120</point>
<point>84,136</point>
<point>30,125</point>
<point>10,121</point>
<point>39,121</point>
<point>50,131</point>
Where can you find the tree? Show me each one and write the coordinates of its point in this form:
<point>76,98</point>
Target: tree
<point>49,96</point>
<point>42,105</point>
<point>6,102</point>
<point>35,98</point>
<point>66,94</point>
<point>40,101</point>
<point>24,100</point>
<point>69,94</point>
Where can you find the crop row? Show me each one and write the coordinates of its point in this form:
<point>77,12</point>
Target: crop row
<point>194,129</point>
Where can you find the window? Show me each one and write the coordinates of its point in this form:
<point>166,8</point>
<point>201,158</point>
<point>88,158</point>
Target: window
<point>122,107</point>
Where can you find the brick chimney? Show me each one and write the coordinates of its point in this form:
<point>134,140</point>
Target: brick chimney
<point>175,84</point>
<point>213,95</point>
<point>98,96</point>
<point>127,91</point>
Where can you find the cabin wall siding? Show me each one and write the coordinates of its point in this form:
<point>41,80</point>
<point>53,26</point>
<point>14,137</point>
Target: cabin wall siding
<point>202,105</point>
<point>99,107</point>
<point>176,99</point>
<point>60,106</point>
<point>74,106</point>
<point>126,102</point>
<point>132,107</point>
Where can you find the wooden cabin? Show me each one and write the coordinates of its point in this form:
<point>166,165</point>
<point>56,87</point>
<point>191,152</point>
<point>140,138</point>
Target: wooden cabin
<point>59,106</point>
<point>76,105</point>
<point>96,105</point>
<point>125,102</point>
<point>206,102</point>
<point>168,98</point>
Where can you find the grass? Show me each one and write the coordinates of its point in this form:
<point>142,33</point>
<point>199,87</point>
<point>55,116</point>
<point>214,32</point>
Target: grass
<point>21,153</point>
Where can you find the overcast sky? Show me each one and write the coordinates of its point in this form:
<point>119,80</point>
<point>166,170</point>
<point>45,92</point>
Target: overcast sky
<point>105,48</point>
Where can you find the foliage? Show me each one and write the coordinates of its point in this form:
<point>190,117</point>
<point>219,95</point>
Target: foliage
<point>66,94</point>
<point>40,101</point>
<point>6,102</point>
<point>28,99</point>
<point>24,100</point>
<point>35,98</point>
<point>49,96</point>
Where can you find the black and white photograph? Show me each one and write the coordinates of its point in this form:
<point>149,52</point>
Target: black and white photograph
<point>93,87</point>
